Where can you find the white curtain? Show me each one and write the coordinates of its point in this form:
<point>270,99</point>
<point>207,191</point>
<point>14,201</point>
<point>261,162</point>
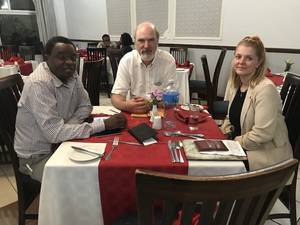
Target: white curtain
<point>45,16</point>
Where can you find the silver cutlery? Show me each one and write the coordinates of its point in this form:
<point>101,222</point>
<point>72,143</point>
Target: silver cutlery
<point>179,146</point>
<point>128,142</point>
<point>171,146</point>
<point>79,149</point>
<point>114,145</point>
<point>179,133</point>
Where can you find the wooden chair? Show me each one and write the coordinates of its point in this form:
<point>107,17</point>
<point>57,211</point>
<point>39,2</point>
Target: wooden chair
<point>208,89</point>
<point>180,54</point>
<point>233,199</point>
<point>92,44</point>
<point>114,58</point>
<point>290,96</point>
<point>91,79</point>
<point>95,54</point>
<point>28,189</point>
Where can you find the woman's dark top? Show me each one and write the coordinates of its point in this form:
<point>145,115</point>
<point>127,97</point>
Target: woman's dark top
<point>235,112</point>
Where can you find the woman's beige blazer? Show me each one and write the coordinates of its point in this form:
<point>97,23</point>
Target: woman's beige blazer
<point>264,134</point>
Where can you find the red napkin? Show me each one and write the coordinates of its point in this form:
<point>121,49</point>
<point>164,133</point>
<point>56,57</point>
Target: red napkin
<point>184,116</point>
<point>186,64</point>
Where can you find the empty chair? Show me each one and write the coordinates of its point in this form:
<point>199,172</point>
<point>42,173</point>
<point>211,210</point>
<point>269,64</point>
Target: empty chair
<point>208,89</point>
<point>28,189</point>
<point>180,54</point>
<point>114,58</point>
<point>233,199</point>
<point>290,96</point>
<point>91,79</point>
<point>95,54</point>
<point>92,44</point>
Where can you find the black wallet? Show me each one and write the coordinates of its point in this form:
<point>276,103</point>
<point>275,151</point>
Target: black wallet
<point>142,132</point>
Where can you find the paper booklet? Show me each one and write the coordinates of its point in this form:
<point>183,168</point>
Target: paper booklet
<point>210,149</point>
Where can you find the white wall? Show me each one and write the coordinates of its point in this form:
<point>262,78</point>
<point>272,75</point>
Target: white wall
<point>276,22</point>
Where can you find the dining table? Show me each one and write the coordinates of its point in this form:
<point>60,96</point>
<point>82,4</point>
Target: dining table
<point>98,191</point>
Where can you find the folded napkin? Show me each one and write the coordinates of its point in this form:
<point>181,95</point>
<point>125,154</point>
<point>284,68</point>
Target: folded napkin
<point>184,116</point>
<point>186,64</point>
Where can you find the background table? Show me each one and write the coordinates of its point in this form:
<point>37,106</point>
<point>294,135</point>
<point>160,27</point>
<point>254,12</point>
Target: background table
<point>70,192</point>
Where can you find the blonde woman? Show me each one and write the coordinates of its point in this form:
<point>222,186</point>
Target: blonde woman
<point>254,116</point>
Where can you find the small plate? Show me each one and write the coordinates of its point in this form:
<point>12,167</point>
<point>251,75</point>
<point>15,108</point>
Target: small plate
<point>186,107</point>
<point>78,156</point>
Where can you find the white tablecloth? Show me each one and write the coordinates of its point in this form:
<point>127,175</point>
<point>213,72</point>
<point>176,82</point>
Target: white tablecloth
<point>70,191</point>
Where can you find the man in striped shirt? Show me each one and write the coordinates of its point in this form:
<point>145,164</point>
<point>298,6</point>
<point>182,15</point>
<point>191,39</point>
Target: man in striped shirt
<point>53,107</point>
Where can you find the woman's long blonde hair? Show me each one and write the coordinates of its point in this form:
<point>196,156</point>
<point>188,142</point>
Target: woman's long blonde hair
<point>258,46</point>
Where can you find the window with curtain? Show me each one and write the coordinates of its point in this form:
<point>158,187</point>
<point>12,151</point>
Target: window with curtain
<point>18,23</point>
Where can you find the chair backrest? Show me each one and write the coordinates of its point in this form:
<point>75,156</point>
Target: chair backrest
<point>180,54</point>
<point>91,79</point>
<point>10,92</point>
<point>290,96</point>
<point>114,58</point>
<point>212,86</point>
<point>233,199</point>
<point>92,44</point>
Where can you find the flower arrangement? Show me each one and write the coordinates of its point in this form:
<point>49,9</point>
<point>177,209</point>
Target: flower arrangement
<point>288,65</point>
<point>156,96</point>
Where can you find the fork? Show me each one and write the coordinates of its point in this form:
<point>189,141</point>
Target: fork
<point>114,145</point>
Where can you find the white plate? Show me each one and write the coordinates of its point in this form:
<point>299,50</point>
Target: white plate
<point>186,107</point>
<point>79,156</point>
<point>82,156</point>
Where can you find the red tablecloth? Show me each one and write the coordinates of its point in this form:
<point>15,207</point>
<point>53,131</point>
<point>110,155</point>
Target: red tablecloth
<point>117,176</point>
<point>277,79</point>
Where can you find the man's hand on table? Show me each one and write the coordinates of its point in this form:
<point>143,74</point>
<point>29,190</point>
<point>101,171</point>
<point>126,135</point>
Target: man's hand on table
<point>138,105</point>
<point>116,121</point>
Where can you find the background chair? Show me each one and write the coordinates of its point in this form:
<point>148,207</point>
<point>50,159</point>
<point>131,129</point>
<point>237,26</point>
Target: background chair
<point>233,199</point>
<point>208,89</point>
<point>290,96</point>
<point>95,54</point>
<point>180,54</point>
<point>114,58</point>
<point>28,189</point>
<point>91,79</point>
<point>92,44</point>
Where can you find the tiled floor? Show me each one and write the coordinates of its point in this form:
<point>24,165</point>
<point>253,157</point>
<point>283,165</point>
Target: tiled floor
<point>8,195</point>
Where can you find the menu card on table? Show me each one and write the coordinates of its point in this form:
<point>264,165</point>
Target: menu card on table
<point>210,149</point>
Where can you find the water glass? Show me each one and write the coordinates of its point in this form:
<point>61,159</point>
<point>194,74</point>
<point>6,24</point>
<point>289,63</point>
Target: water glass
<point>193,117</point>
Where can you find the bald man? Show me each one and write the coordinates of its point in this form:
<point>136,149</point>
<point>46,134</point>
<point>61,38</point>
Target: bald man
<point>141,71</point>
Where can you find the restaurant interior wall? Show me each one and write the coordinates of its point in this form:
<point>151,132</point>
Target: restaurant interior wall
<point>237,22</point>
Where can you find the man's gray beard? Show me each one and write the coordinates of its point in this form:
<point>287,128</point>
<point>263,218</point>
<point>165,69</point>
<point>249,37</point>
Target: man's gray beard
<point>147,57</point>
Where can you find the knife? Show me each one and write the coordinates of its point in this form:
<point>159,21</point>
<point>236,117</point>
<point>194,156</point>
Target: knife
<point>85,150</point>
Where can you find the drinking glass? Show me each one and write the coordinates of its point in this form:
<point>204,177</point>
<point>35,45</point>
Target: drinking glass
<point>193,117</point>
